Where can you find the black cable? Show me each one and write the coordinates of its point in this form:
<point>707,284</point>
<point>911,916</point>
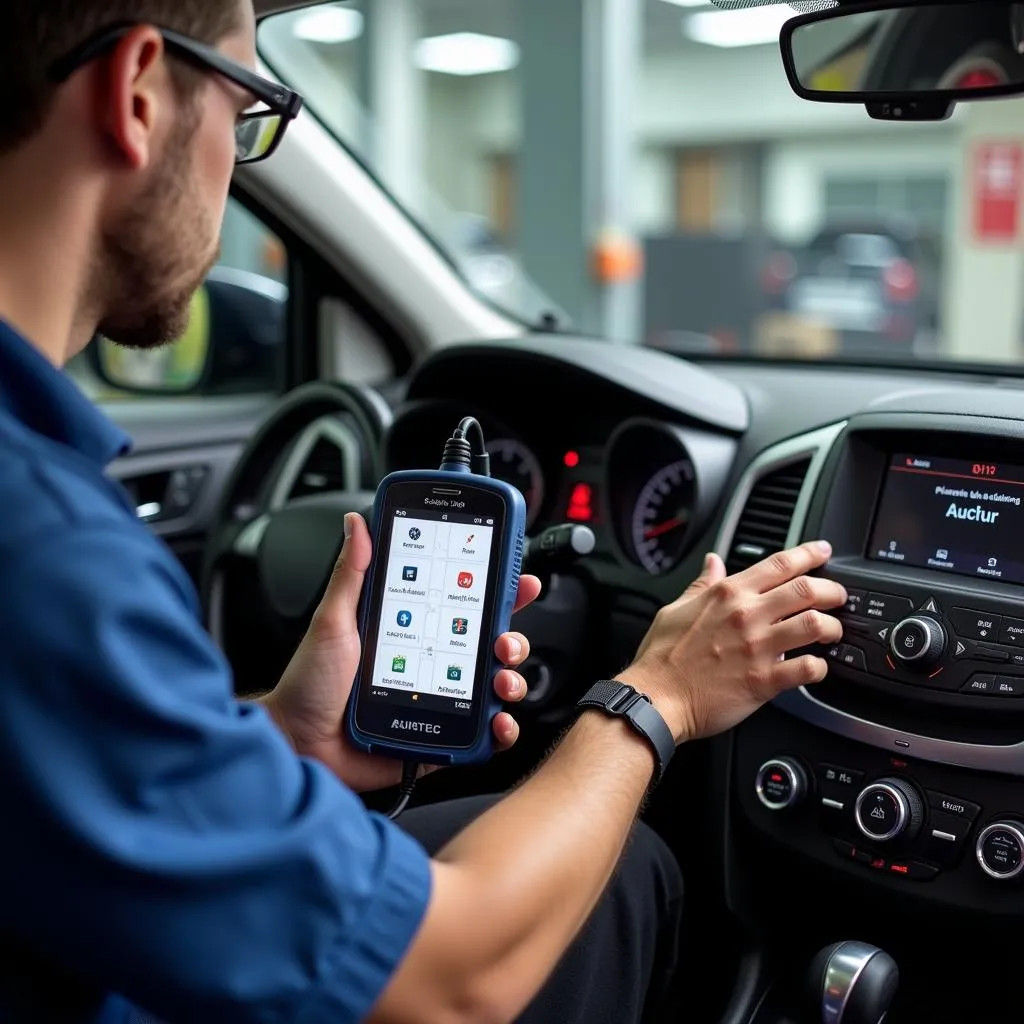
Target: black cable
<point>464,451</point>
<point>410,772</point>
<point>467,450</point>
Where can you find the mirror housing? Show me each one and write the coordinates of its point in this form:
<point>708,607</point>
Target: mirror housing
<point>905,60</point>
<point>234,344</point>
<point>179,368</point>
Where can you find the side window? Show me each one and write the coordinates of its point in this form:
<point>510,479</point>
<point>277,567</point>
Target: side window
<point>235,340</point>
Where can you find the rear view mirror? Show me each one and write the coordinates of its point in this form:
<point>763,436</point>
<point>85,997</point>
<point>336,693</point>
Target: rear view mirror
<point>909,61</point>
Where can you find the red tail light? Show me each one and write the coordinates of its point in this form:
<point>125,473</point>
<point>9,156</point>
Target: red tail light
<point>900,281</point>
<point>981,78</point>
<point>778,272</point>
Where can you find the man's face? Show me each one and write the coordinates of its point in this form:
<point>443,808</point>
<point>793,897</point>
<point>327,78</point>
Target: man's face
<point>157,250</point>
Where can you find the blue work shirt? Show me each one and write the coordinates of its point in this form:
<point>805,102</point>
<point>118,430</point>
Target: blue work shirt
<point>164,851</point>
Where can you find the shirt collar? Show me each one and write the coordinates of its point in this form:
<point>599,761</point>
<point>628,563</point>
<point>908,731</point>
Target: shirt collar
<point>46,400</point>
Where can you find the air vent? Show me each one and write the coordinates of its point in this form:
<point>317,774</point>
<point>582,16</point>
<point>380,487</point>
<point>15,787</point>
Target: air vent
<point>323,471</point>
<point>764,523</point>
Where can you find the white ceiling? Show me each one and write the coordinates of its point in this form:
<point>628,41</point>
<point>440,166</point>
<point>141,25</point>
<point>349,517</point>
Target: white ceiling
<point>662,20</point>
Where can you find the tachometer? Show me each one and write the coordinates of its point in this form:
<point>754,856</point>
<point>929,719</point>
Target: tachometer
<point>662,516</point>
<point>514,463</point>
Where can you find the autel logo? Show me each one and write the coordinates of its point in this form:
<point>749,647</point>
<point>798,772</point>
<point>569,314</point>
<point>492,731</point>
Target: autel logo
<point>415,726</point>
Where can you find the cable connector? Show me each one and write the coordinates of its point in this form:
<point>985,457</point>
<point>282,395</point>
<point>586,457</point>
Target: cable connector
<point>465,451</point>
<point>410,773</point>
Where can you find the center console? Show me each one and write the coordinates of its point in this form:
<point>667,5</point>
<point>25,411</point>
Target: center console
<point>904,770</point>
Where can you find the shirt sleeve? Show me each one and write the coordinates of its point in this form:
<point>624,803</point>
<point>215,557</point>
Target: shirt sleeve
<point>167,842</point>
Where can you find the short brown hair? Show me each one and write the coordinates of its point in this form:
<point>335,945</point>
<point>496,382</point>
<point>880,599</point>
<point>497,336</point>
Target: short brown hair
<point>37,33</point>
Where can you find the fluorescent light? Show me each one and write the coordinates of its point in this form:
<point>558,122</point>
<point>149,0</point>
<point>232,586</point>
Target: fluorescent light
<point>466,53</point>
<point>330,25</point>
<point>689,3</point>
<point>752,26</point>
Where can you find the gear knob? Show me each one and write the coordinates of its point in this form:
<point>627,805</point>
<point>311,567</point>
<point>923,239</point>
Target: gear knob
<point>851,983</point>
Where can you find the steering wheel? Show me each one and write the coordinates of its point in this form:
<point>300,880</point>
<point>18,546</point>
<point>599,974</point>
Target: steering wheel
<point>275,537</point>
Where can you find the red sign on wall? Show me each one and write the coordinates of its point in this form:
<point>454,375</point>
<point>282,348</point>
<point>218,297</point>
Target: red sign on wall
<point>998,180</point>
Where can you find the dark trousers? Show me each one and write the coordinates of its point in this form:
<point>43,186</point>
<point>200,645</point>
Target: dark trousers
<point>620,968</point>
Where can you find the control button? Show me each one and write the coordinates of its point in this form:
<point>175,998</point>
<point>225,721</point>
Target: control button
<point>888,808</point>
<point>834,653</point>
<point>853,657</point>
<point>953,805</point>
<point>851,852</point>
<point>960,649</point>
<point>979,683</point>
<point>945,838</point>
<point>883,633</point>
<point>989,652</point>
<point>886,606</point>
<point>781,783</point>
<point>829,804</point>
<point>1016,658</point>
<point>834,775</point>
<point>855,602</point>
<point>1000,850</point>
<point>1008,686</point>
<point>975,625</point>
<point>1012,632</point>
<point>917,871</point>
<point>919,640</point>
<point>931,605</point>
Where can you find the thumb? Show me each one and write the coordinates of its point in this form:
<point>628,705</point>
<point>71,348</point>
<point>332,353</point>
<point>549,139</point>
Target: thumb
<point>341,599</point>
<point>713,571</point>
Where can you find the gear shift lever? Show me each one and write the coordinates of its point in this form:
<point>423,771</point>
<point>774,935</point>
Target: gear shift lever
<point>851,983</point>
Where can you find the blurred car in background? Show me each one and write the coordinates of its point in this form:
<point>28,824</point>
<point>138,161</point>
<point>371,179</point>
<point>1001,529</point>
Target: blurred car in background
<point>873,282</point>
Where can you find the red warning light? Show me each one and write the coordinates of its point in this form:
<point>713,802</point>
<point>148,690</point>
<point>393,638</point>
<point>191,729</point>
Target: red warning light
<point>776,777</point>
<point>580,507</point>
<point>571,459</point>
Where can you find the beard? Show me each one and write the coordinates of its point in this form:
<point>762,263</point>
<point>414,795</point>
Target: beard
<point>148,270</point>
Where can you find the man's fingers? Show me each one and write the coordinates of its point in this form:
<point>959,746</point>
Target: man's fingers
<point>713,571</point>
<point>529,590</point>
<point>506,730</point>
<point>803,671</point>
<point>802,593</point>
<point>785,565</point>
<point>340,602</point>
<point>810,627</point>
<point>512,649</point>
<point>510,686</point>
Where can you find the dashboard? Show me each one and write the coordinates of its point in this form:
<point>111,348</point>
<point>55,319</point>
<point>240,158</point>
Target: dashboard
<point>899,781</point>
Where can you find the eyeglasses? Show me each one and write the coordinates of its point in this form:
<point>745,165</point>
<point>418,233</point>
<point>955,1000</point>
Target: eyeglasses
<point>258,133</point>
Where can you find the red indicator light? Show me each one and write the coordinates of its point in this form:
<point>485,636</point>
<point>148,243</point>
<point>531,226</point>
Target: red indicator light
<point>580,508</point>
<point>878,862</point>
<point>897,763</point>
<point>571,459</point>
<point>900,869</point>
<point>776,777</point>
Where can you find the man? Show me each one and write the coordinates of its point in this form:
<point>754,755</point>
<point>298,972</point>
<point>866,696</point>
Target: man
<point>169,851</point>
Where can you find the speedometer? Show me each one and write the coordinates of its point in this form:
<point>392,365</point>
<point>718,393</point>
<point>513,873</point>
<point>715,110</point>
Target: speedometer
<point>514,463</point>
<point>662,517</point>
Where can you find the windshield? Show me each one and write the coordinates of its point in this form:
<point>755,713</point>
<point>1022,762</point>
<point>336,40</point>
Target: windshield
<point>641,170</point>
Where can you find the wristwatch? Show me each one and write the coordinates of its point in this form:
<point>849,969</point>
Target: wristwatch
<point>622,701</point>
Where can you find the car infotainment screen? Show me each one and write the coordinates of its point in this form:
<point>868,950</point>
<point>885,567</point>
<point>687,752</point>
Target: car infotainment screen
<point>952,515</point>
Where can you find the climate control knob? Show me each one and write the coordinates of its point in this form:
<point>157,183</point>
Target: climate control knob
<point>1000,850</point>
<point>889,809</point>
<point>918,641</point>
<point>781,783</point>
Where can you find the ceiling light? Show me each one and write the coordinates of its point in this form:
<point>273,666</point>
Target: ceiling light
<point>689,3</point>
<point>466,53</point>
<point>330,25</point>
<point>752,26</point>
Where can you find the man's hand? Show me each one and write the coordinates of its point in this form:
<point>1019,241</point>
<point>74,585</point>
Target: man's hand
<point>309,703</point>
<point>715,655</point>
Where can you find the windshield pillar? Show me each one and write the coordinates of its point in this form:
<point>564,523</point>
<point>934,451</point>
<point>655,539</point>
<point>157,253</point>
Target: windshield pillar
<point>579,75</point>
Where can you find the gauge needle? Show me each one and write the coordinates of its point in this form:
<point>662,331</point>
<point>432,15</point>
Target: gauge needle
<point>658,529</point>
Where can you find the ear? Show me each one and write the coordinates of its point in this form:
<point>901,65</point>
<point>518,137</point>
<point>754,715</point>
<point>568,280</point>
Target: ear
<point>134,94</point>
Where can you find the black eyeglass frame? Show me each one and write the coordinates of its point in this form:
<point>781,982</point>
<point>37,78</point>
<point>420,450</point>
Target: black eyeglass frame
<point>281,101</point>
